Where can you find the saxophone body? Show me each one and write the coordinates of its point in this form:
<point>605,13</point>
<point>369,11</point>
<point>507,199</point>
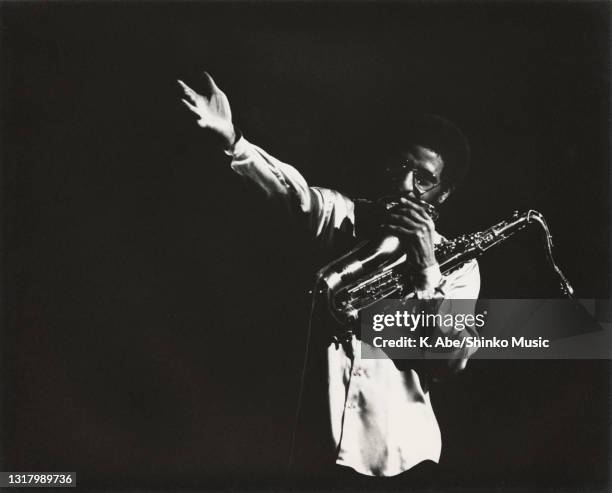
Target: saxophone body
<point>376,270</point>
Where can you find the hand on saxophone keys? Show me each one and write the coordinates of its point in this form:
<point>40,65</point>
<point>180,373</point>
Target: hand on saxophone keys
<point>411,221</point>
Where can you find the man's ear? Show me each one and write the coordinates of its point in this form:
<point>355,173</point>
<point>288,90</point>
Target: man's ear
<point>445,194</point>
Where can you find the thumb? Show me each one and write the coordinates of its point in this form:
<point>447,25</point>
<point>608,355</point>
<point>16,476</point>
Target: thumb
<point>210,82</point>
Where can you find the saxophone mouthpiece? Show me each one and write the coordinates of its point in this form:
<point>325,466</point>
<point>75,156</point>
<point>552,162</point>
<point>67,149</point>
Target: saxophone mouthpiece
<point>429,208</point>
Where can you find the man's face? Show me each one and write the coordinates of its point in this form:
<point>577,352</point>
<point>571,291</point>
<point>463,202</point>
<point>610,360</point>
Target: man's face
<point>418,175</point>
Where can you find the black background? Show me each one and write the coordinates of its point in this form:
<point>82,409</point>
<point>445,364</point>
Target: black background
<point>154,305</point>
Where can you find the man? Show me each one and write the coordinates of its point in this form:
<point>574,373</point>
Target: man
<point>379,415</point>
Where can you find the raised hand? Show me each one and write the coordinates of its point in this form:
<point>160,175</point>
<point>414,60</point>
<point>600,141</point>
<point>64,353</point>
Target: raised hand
<point>213,109</point>
<point>411,222</point>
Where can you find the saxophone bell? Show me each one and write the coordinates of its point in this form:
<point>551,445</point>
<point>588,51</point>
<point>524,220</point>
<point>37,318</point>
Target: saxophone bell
<point>362,262</point>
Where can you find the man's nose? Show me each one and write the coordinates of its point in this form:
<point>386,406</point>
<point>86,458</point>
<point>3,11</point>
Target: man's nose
<point>407,184</point>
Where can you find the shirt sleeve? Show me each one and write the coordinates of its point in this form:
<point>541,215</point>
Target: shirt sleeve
<point>324,210</point>
<point>455,294</point>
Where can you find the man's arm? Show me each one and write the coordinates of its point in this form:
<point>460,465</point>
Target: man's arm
<point>452,295</point>
<point>322,210</point>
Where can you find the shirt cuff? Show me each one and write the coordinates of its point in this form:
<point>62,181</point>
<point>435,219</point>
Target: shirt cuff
<point>238,146</point>
<point>431,283</point>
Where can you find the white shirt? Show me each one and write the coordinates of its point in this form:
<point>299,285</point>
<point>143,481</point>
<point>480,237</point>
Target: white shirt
<point>382,420</point>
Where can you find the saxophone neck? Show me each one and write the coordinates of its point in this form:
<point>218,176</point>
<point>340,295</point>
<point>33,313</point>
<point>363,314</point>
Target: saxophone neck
<point>503,230</point>
<point>455,253</point>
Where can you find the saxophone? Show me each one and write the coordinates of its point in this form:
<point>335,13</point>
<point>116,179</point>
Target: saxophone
<point>376,270</point>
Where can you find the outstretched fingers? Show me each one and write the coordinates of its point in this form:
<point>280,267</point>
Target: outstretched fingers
<point>190,106</point>
<point>189,92</point>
